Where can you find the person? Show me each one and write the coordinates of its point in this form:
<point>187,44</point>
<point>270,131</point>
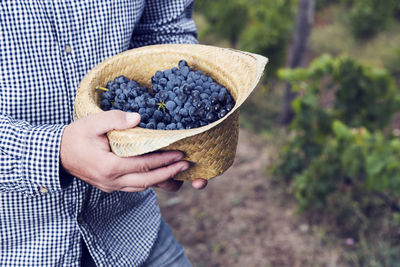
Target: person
<point>63,194</point>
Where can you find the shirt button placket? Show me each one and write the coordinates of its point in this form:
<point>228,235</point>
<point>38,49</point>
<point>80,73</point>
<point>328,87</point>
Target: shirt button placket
<point>68,69</point>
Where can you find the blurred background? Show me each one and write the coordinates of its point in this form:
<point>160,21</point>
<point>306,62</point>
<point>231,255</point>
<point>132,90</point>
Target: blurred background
<point>316,180</point>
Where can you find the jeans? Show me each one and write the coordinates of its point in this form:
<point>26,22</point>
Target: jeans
<point>165,252</point>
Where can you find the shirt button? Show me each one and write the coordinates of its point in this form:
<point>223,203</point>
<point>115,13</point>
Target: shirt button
<point>68,49</point>
<point>80,219</point>
<point>43,190</point>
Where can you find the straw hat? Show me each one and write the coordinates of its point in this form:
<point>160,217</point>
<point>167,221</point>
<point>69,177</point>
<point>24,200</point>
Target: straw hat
<point>210,148</point>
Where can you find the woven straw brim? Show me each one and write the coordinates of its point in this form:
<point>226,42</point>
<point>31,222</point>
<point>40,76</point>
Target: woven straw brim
<point>212,147</point>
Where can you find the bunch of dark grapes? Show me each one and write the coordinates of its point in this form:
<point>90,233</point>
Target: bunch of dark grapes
<point>180,98</point>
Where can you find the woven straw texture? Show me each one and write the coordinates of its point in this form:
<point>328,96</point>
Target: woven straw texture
<point>210,148</point>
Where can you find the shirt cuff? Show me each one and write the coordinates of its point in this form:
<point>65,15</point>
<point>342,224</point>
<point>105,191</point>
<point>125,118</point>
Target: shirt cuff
<point>41,160</point>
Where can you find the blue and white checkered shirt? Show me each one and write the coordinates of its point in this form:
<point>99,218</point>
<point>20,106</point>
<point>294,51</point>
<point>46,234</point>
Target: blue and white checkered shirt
<point>46,47</point>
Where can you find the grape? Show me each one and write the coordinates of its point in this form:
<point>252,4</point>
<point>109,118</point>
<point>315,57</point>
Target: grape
<point>179,125</point>
<point>171,126</point>
<point>167,118</point>
<point>221,96</point>
<point>192,112</point>
<point>186,89</point>
<point>157,115</point>
<point>199,105</point>
<point>182,63</point>
<point>171,95</point>
<point>222,113</point>
<point>134,106</point>
<point>150,125</point>
<point>177,118</point>
<point>163,95</point>
<point>210,117</point>
<point>145,116</point>
<point>161,126</point>
<point>167,73</point>
<point>170,105</point>
<point>204,96</point>
<point>196,93</point>
<point>151,102</point>
<point>185,71</point>
<point>107,95</point>
<point>217,107</point>
<point>202,113</point>
<point>159,74</point>
<point>180,98</point>
<point>184,112</point>
<point>214,100</point>
<point>178,101</point>
<point>105,104</point>
<point>163,82</point>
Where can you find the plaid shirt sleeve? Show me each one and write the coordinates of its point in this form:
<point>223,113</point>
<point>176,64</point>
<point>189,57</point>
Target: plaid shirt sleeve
<point>29,156</point>
<point>156,28</point>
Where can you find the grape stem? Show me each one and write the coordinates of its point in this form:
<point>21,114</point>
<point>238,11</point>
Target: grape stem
<point>102,88</point>
<point>161,105</point>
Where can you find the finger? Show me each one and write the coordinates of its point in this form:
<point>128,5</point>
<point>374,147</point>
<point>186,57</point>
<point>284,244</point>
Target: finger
<point>104,122</point>
<point>199,184</point>
<point>132,189</point>
<point>170,185</point>
<point>144,163</point>
<point>156,176</point>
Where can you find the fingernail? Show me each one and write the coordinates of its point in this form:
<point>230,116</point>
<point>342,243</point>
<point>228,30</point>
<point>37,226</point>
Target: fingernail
<point>132,117</point>
<point>179,157</point>
<point>184,167</point>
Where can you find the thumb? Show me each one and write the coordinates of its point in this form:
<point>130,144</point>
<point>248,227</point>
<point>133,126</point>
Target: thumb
<point>104,122</point>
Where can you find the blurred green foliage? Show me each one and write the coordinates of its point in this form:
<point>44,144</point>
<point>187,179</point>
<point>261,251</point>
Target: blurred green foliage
<point>392,62</point>
<point>269,30</point>
<point>227,19</point>
<point>355,184</point>
<point>377,254</point>
<point>266,99</point>
<point>368,17</point>
<point>351,158</point>
<point>336,39</point>
<point>339,163</point>
<point>321,4</point>
<point>258,26</point>
<point>353,94</point>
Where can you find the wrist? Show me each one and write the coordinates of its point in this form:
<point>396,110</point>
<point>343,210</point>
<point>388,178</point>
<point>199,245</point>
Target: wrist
<point>65,177</point>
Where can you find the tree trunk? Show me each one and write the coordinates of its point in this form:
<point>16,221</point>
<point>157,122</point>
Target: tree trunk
<point>234,41</point>
<point>304,20</point>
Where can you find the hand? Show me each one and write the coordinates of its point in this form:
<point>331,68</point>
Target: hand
<point>85,153</point>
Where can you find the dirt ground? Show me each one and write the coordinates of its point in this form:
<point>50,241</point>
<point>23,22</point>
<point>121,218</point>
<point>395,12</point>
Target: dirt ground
<point>241,219</point>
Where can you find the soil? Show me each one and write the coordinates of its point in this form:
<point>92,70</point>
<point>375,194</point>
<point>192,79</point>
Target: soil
<point>243,219</point>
